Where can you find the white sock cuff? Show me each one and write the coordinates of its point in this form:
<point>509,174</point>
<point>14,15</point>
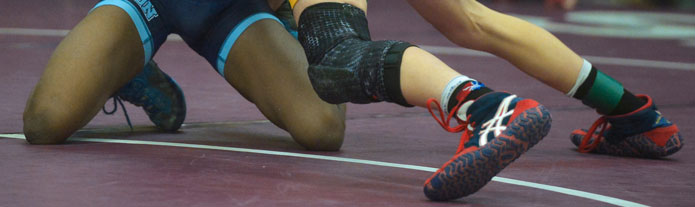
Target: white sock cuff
<point>583,74</point>
<point>449,90</point>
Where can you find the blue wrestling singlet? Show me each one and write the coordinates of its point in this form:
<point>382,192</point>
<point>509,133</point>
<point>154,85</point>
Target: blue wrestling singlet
<point>210,27</point>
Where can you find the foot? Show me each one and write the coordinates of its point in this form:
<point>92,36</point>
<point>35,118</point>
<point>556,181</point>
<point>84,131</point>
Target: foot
<point>158,94</point>
<point>497,128</point>
<point>642,133</point>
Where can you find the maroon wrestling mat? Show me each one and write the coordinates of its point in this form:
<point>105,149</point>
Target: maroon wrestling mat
<point>227,154</point>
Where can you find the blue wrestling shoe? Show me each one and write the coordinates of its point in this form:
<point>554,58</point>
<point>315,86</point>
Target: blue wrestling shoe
<point>497,128</point>
<point>158,94</point>
<point>641,133</point>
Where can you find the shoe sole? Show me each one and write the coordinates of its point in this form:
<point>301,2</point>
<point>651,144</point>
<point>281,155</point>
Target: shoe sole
<point>172,121</point>
<point>638,145</point>
<point>466,173</point>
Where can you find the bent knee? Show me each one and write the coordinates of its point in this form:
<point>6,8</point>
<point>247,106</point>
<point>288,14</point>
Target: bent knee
<point>320,134</point>
<point>38,129</point>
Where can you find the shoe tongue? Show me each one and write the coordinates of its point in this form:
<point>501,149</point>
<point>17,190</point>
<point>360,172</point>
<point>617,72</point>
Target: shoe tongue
<point>484,107</point>
<point>480,111</point>
<point>637,122</point>
<point>461,112</point>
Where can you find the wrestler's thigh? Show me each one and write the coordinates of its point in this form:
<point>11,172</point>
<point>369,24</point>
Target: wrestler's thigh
<point>268,66</point>
<point>96,58</point>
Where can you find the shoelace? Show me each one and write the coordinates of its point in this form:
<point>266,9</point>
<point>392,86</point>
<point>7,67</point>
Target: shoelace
<point>117,101</point>
<point>585,146</point>
<point>443,121</point>
<point>446,122</point>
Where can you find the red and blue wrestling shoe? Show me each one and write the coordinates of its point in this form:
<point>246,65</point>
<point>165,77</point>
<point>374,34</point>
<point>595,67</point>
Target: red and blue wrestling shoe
<point>497,128</point>
<point>642,133</point>
<point>158,94</point>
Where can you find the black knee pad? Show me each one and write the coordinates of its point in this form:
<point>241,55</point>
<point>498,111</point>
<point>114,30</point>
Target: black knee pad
<point>344,64</point>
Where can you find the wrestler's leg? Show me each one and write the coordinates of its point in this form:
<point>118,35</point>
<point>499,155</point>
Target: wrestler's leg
<point>636,127</point>
<point>527,46</point>
<point>422,76</point>
<point>298,6</point>
<point>530,48</point>
<point>345,65</point>
<point>98,56</point>
<point>268,67</point>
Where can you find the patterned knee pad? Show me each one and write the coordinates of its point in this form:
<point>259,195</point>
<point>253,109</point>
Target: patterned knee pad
<point>344,64</point>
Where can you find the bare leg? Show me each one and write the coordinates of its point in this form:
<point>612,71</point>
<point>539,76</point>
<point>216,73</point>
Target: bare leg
<point>483,152</point>
<point>417,84</point>
<point>98,56</point>
<point>273,75</point>
<point>540,54</point>
<point>530,48</point>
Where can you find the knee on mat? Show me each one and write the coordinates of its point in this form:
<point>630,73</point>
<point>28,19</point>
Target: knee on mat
<point>39,129</point>
<point>324,133</point>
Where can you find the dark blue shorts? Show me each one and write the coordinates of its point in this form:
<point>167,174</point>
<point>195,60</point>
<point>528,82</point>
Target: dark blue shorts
<point>210,27</point>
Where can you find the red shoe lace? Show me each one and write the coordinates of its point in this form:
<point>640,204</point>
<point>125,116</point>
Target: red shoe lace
<point>585,147</point>
<point>445,121</point>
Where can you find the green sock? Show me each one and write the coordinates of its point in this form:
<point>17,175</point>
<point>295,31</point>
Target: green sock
<point>606,95</point>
